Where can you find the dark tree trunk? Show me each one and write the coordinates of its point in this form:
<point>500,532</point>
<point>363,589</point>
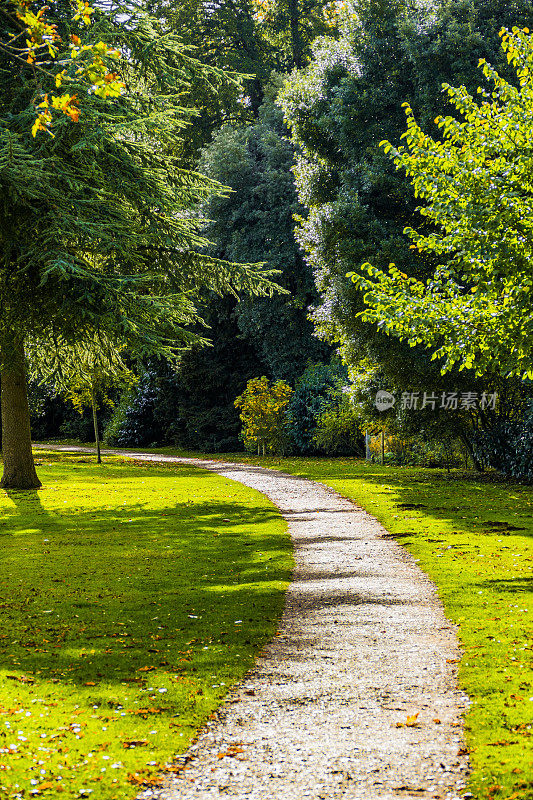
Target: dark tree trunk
<point>95,423</point>
<point>19,467</point>
<point>294,21</point>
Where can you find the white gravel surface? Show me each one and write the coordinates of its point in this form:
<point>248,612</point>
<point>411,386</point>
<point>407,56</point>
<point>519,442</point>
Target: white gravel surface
<point>363,643</point>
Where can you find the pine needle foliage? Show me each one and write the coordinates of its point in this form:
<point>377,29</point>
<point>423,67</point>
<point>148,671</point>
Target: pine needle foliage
<point>98,224</point>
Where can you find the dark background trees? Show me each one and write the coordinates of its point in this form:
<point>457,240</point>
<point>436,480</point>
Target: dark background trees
<point>193,405</point>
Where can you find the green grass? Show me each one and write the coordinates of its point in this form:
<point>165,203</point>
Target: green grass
<point>474,537</point>
<point>132,598</point>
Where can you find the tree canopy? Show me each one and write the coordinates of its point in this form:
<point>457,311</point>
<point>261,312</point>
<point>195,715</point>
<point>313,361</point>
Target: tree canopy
<point>475,309</point>
<point>99,224</point>
<point>356,204</point>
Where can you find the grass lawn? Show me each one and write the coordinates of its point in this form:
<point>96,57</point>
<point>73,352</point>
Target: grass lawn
<point>132,597</point>
<point>474,537</point>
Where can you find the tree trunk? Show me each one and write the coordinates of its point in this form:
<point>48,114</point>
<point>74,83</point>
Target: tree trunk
<point>296,42</point>
<point>19,467</point>
<point>95,423</point>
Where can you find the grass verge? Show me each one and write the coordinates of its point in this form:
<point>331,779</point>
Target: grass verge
<point>132,598</point>
<point>474,537</point>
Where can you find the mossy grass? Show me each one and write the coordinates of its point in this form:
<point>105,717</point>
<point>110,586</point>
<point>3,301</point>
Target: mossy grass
<point>473,535</point>
<point>132,597</point>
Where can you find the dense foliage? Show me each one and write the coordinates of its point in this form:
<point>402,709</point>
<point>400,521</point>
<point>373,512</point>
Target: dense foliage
<point>100,234</point>
<point>252,38</point>
<point>193,406</point>
<point>476,308</point>
<point>357,205</point>
<point>262,406</point>
<point>341,107</point>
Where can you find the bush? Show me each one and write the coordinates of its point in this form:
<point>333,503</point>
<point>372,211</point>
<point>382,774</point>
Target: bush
<point>132,423</point>
<point>263,415</point>
<point>338,430</point>
<point>317,390</point>
<point>508,446</point>
<point>415,451</point>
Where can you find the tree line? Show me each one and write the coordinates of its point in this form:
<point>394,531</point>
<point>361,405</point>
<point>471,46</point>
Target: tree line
<point>121,243</point>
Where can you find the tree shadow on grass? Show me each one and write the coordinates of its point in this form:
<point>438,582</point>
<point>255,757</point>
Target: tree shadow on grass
<point>520,585</point>
<point>100,595</point>
<point>466,501</point>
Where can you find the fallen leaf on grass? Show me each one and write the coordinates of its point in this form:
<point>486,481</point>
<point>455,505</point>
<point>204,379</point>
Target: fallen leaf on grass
<point>49,785</point>
<point>20,678</point>
<point>144,778</point>
<point>502,743</point>
<point>145,669</point>
<point>143,712</point>
<point>134,743</point>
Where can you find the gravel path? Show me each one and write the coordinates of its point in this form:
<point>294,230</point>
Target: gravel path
<point>363,643</point>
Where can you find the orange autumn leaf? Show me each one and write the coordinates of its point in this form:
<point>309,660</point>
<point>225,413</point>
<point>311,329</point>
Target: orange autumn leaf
<point>410,722</point>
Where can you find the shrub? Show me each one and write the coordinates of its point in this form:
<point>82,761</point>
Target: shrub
<point>263,407</point>
<point>338,430</point>
<point>317,389</point>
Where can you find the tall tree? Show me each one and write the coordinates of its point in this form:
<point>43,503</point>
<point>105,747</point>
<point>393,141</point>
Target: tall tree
<point>255,223</point>
<point>475,310</point>
<point>100,234</point>
<point>250,37</point>
<point>270,336</point>
<point>339,109</point>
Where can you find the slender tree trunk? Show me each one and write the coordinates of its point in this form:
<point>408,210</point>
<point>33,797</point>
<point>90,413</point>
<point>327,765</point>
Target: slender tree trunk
<point>296,42</point>
<point>19,467</point>
<point>95,423</point>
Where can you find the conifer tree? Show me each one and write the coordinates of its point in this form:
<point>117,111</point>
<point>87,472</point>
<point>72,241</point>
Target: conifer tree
<point>98,225</point>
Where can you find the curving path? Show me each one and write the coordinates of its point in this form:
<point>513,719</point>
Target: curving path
<point>363,643</point>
